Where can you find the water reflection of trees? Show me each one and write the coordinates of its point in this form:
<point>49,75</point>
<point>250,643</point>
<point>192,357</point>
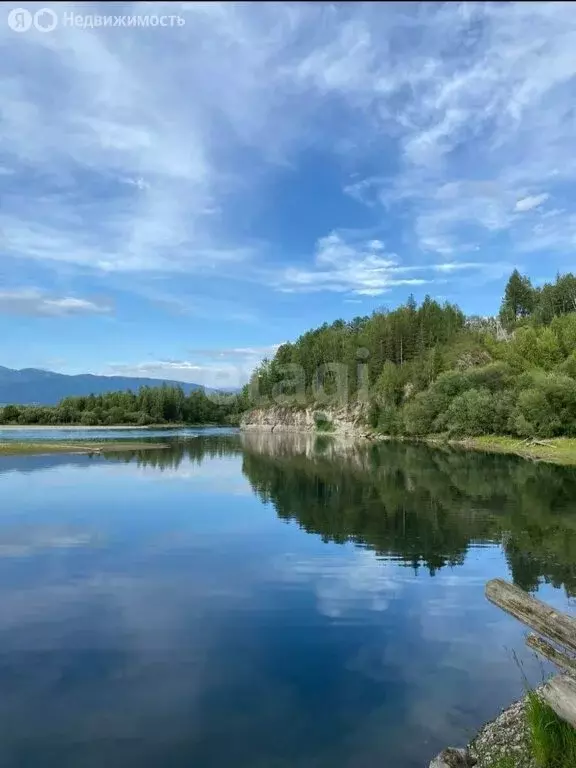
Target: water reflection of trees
<point>424,505</point>
<point>175,451</point>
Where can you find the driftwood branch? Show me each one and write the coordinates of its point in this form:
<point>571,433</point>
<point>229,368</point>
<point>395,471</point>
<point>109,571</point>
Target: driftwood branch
<point>534,613</point>
<point>544,648</point>
<point>560,694</point>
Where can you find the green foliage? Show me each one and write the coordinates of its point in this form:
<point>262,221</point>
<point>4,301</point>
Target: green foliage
<point>421,414</point>
<point>548,407</point>
<point>421,369</point>
<point>150,405</point>
<point>506,761</point>
<point>495,377</point>
<point>568,367</point>
<point>381,347</point>
<point>552,741</point>
<point>427,369</point>
<point>323,423</point>
<point>471,413</point>
<point>390,384</point>
<point>389,420</point>
<point>519,299</point>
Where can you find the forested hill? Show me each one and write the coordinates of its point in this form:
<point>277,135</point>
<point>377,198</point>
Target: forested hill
<point>32,385</point>
<point>430,369</point>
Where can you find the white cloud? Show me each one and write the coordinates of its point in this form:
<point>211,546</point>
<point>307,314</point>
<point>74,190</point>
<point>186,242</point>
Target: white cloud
<point>456,266</point>
<point>530,202</point>
<point>216,368</point>
<point>31,301</point>
<point>23,542</point>
<point>154,143</point>
<point>363,268</point>
<point>144,118</point>
<point>481,111</point>
<point>362,581</point>
<point>139,182</point>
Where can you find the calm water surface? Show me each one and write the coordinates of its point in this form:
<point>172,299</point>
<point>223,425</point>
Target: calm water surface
<point>104,433</point>
<point>267,602</point>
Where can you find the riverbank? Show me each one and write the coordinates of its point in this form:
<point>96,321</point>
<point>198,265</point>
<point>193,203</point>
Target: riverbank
<point>527,734</point>
<point>505,741</point>
<point>559,450</point>
<point>13,447</point>
<point>351,423</point>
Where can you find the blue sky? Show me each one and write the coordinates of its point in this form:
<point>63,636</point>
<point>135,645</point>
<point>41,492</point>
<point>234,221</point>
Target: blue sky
<point>176,201</point>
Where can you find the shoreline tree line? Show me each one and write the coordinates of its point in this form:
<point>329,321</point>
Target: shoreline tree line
<point>416,370</point>
<point>150,405</point>
<point>430,369</point>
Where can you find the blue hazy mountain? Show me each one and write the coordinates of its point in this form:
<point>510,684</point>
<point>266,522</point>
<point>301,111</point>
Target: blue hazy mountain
<point>33,385</point>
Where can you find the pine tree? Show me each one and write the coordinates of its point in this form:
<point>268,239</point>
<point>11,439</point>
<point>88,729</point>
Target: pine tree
<point>519,299</point>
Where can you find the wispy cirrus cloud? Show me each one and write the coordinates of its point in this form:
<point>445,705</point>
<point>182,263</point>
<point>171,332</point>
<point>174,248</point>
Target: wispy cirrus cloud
<point>531,202</point>
<point>33,302</point>
<point>344,264</point>
<point>363,268</point>
<point>158,147</point>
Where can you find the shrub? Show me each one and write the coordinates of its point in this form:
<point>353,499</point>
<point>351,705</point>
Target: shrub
<point>495,377</point>
<point>10,413</point>
<point>421,413</point>
<point>418,415</point>
<point>89,419</point>
<point>568,367</point>
<point>549,406</point>
<point>471,413</point>
<point>323,423</point>
<point>390,384</point>
<point>389,422</point>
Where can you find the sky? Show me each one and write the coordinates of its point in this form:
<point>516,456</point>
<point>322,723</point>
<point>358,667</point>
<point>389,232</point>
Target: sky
<point>177,200</point>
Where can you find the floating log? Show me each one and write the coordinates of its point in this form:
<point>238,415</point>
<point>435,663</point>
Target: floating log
<point>560,694</point>
<point>544,648</point>
<point>534,613</point>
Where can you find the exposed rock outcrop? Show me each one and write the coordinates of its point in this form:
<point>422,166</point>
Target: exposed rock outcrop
<point>350,421</point>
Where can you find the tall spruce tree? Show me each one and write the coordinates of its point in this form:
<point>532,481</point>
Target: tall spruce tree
<point>519,299</point>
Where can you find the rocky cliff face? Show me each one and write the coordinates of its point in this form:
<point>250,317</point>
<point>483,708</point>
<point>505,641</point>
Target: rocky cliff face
<point>351,421</point>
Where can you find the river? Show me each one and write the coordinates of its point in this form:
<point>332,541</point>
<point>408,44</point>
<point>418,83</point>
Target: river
<point>262,601</point>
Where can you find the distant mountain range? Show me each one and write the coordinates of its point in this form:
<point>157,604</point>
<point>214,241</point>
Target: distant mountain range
<point>34,386</point>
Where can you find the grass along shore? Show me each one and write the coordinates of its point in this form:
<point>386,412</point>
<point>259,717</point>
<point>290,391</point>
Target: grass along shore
<point>528,734</point>
<point>14,447</point>
<point>558,450</point>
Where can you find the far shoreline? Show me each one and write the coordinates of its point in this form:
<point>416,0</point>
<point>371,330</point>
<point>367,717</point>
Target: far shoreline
<point>21,427</point>
<point>29,447</point>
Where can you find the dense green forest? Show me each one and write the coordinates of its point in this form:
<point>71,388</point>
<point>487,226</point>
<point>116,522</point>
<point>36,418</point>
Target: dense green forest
<point>430,369</point>
<point>416,370</point>
<point>150,405</point>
